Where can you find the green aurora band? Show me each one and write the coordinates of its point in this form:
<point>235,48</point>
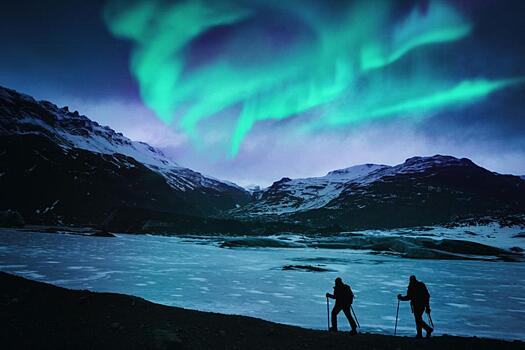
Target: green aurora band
<point>464,92</point>
<point>340,69</point>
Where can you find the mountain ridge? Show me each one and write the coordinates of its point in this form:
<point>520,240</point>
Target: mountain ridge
<point>55,162</point>
<point>73,130</point>
<point>420,191</point>
<point>60,167</point>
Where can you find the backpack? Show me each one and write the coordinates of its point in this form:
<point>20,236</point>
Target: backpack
<point>349,294</point>
<point>422,296</point>
<point>425,292</point>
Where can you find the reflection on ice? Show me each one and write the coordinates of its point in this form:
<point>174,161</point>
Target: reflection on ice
<point>30,274</point>
<point>199,279</point>
<point>466,295</point>
<point>388,318</point>
<point>516,310</point>
<point>460,306</point>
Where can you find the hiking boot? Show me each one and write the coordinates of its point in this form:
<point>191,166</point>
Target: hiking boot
<point>353,332</point>
<point>429,332</point>
<point>332,329</point>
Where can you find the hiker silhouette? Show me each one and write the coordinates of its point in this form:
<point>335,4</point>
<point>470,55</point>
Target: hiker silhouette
<point>344,297</point>
<point>419,297</point>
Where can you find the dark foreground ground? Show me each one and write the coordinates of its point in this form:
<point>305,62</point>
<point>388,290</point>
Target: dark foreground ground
<point>36,315</point>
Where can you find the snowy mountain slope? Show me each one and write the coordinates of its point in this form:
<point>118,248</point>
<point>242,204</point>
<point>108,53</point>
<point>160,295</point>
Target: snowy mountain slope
<point>72,130</point>
<point>295,195</point>
<point>58,165</point>
<point>414,165</point>
<point>287,195</point>
<point>425,191</point>
<point>416,171</point>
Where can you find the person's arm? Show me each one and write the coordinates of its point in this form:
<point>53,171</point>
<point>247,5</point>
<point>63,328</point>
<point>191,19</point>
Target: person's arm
<point>405,297</point>
<point>331,296</point>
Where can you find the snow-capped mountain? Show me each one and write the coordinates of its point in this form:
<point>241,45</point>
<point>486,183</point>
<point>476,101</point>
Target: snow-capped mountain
<point>422,190</point>
<point>287,195</point>
<point>71,130</point>
<point>295,195</point>
<point>43,145</point>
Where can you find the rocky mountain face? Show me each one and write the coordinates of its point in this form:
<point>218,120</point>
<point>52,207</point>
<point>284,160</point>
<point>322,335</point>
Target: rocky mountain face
<point>421,191</point>
<point>58,166</point>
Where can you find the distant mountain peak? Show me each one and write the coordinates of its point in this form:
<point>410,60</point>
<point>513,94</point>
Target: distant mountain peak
<point>418,163</point>
<point>252,188</point>
<point>438,159</point>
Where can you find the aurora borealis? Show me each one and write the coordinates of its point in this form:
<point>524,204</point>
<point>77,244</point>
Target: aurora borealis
<point>255,90</point>
<point>328,60</point>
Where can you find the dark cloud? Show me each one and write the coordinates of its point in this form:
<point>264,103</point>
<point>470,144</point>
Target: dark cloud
<point>52,48</point>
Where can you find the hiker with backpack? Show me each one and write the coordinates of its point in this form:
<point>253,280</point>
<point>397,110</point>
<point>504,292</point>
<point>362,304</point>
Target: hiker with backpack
<point>344,297</point>
<point>419,297</point>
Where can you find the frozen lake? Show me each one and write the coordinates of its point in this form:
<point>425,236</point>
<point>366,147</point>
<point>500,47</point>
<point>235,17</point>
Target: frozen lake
<point>468,297</point>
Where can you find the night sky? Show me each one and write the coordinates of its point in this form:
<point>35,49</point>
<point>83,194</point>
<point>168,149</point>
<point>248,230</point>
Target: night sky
<point>252,90</point>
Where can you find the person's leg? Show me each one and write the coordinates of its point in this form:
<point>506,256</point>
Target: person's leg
<point>426,327</point>
<point>351,320</point>
<point>418,316</point>
<point>335,311</point>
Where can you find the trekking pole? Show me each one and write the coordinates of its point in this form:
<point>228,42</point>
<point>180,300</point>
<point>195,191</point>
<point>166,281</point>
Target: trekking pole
<point>328,312</point>
<point>355,316</point>
<point>430,320</point>
<point>397,314</point>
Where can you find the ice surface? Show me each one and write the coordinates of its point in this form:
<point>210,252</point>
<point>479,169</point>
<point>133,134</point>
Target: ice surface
<point>491,234</point>
<point>468,297</point>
